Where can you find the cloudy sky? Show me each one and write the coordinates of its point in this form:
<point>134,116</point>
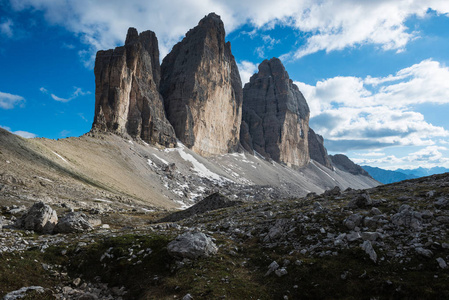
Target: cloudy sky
<point>375,73</point>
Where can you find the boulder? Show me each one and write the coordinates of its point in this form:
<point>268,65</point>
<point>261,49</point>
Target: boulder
<point>353,221</point>
<point>407,217</point>
<point>368,248</point>
<point>24,292</point>
<point>336,191</point>
<point>40,217</point>
<point>192,246</point>
<point>441,263</point>
<point>127,98</point>
<point>362,200</point>
<point>202,89</point>
<point>73,222</point>
<point>353,236</point>
<point>424,252</point>
<point>275,117</point>
<point>272,268</point>
<point>187,297</point>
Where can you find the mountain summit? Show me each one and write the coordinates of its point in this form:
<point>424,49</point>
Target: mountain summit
<point>127,98</point>
<point>275,116</point>
<point>202,89</point>
<point>196,97</point>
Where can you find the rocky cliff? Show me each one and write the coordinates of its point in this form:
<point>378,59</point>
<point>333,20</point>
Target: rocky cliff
<point>344,163</point>
<point>275,118</point>
<point>202,89</point>
<point>317,151</point>
<point>127,98</point>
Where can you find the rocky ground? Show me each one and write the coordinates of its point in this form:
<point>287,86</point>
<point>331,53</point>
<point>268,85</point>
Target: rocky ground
<point>385,242</point>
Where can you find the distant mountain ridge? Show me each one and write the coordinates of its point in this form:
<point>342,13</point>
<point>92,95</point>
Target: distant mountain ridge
<point>388,176</point>
<point>421,172</point>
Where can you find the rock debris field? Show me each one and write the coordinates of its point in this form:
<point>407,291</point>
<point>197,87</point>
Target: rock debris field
<point>386,242</point>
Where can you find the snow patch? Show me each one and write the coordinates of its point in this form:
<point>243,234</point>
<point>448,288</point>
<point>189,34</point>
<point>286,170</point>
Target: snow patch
<point>60,157</point>
<point>102,200</point>
<point>183,204</point>
<point>322,170</point>
<point>160,159</point>
<point>147,210</point>
<point>43,178</point>
<point>151,163</point>
<point>198,167</point>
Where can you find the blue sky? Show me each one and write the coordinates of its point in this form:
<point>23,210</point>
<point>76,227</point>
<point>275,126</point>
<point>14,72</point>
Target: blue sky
<point>375,73</point>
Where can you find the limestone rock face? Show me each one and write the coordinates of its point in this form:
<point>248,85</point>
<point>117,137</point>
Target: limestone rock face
<point>275,116</point>
<point>317,151</point>
<point>202,89</point>
<point>127,98</point>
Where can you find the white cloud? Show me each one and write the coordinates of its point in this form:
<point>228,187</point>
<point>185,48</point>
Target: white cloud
<point>246,70</point>
<point>6,28</point>
<point>425,82</point>
<point>24,134</point>
<point>336,25</point>
<point>371,154</point>
<point>9,101</point>
<point>78,92</point>
<point>54,97</point>
<point>332,25</point>
<point>64,133</point>
<point>427,157</point>
<point>352,111</point>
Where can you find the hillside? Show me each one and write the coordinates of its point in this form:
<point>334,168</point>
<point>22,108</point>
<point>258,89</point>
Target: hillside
<point>390,176</point>
<point>107,171</point>
<point>386,242</point>
<point>387,176</point>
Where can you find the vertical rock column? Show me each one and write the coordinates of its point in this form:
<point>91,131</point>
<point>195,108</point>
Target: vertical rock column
<point>202,89</point>
<point>275,120</point>
<point>127,98</point>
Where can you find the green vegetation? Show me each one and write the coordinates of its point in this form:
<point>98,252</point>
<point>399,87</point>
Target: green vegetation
<point>24,269</point>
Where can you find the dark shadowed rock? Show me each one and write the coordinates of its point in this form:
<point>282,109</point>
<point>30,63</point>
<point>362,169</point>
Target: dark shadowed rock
<point>335,191</point>
<point>40,218</point>
<point>202,89</point>
<point>275,116</point>
<point>127,98</point>
<point>344,163</point>
<point>211,202</point>
<point>361,200</point>
<point>317,151</point>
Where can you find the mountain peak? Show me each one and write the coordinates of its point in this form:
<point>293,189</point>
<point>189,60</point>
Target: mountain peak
<point>127,98</point>
<point>275,119</point>
<point>202,89</point>
<point>132,36</point>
